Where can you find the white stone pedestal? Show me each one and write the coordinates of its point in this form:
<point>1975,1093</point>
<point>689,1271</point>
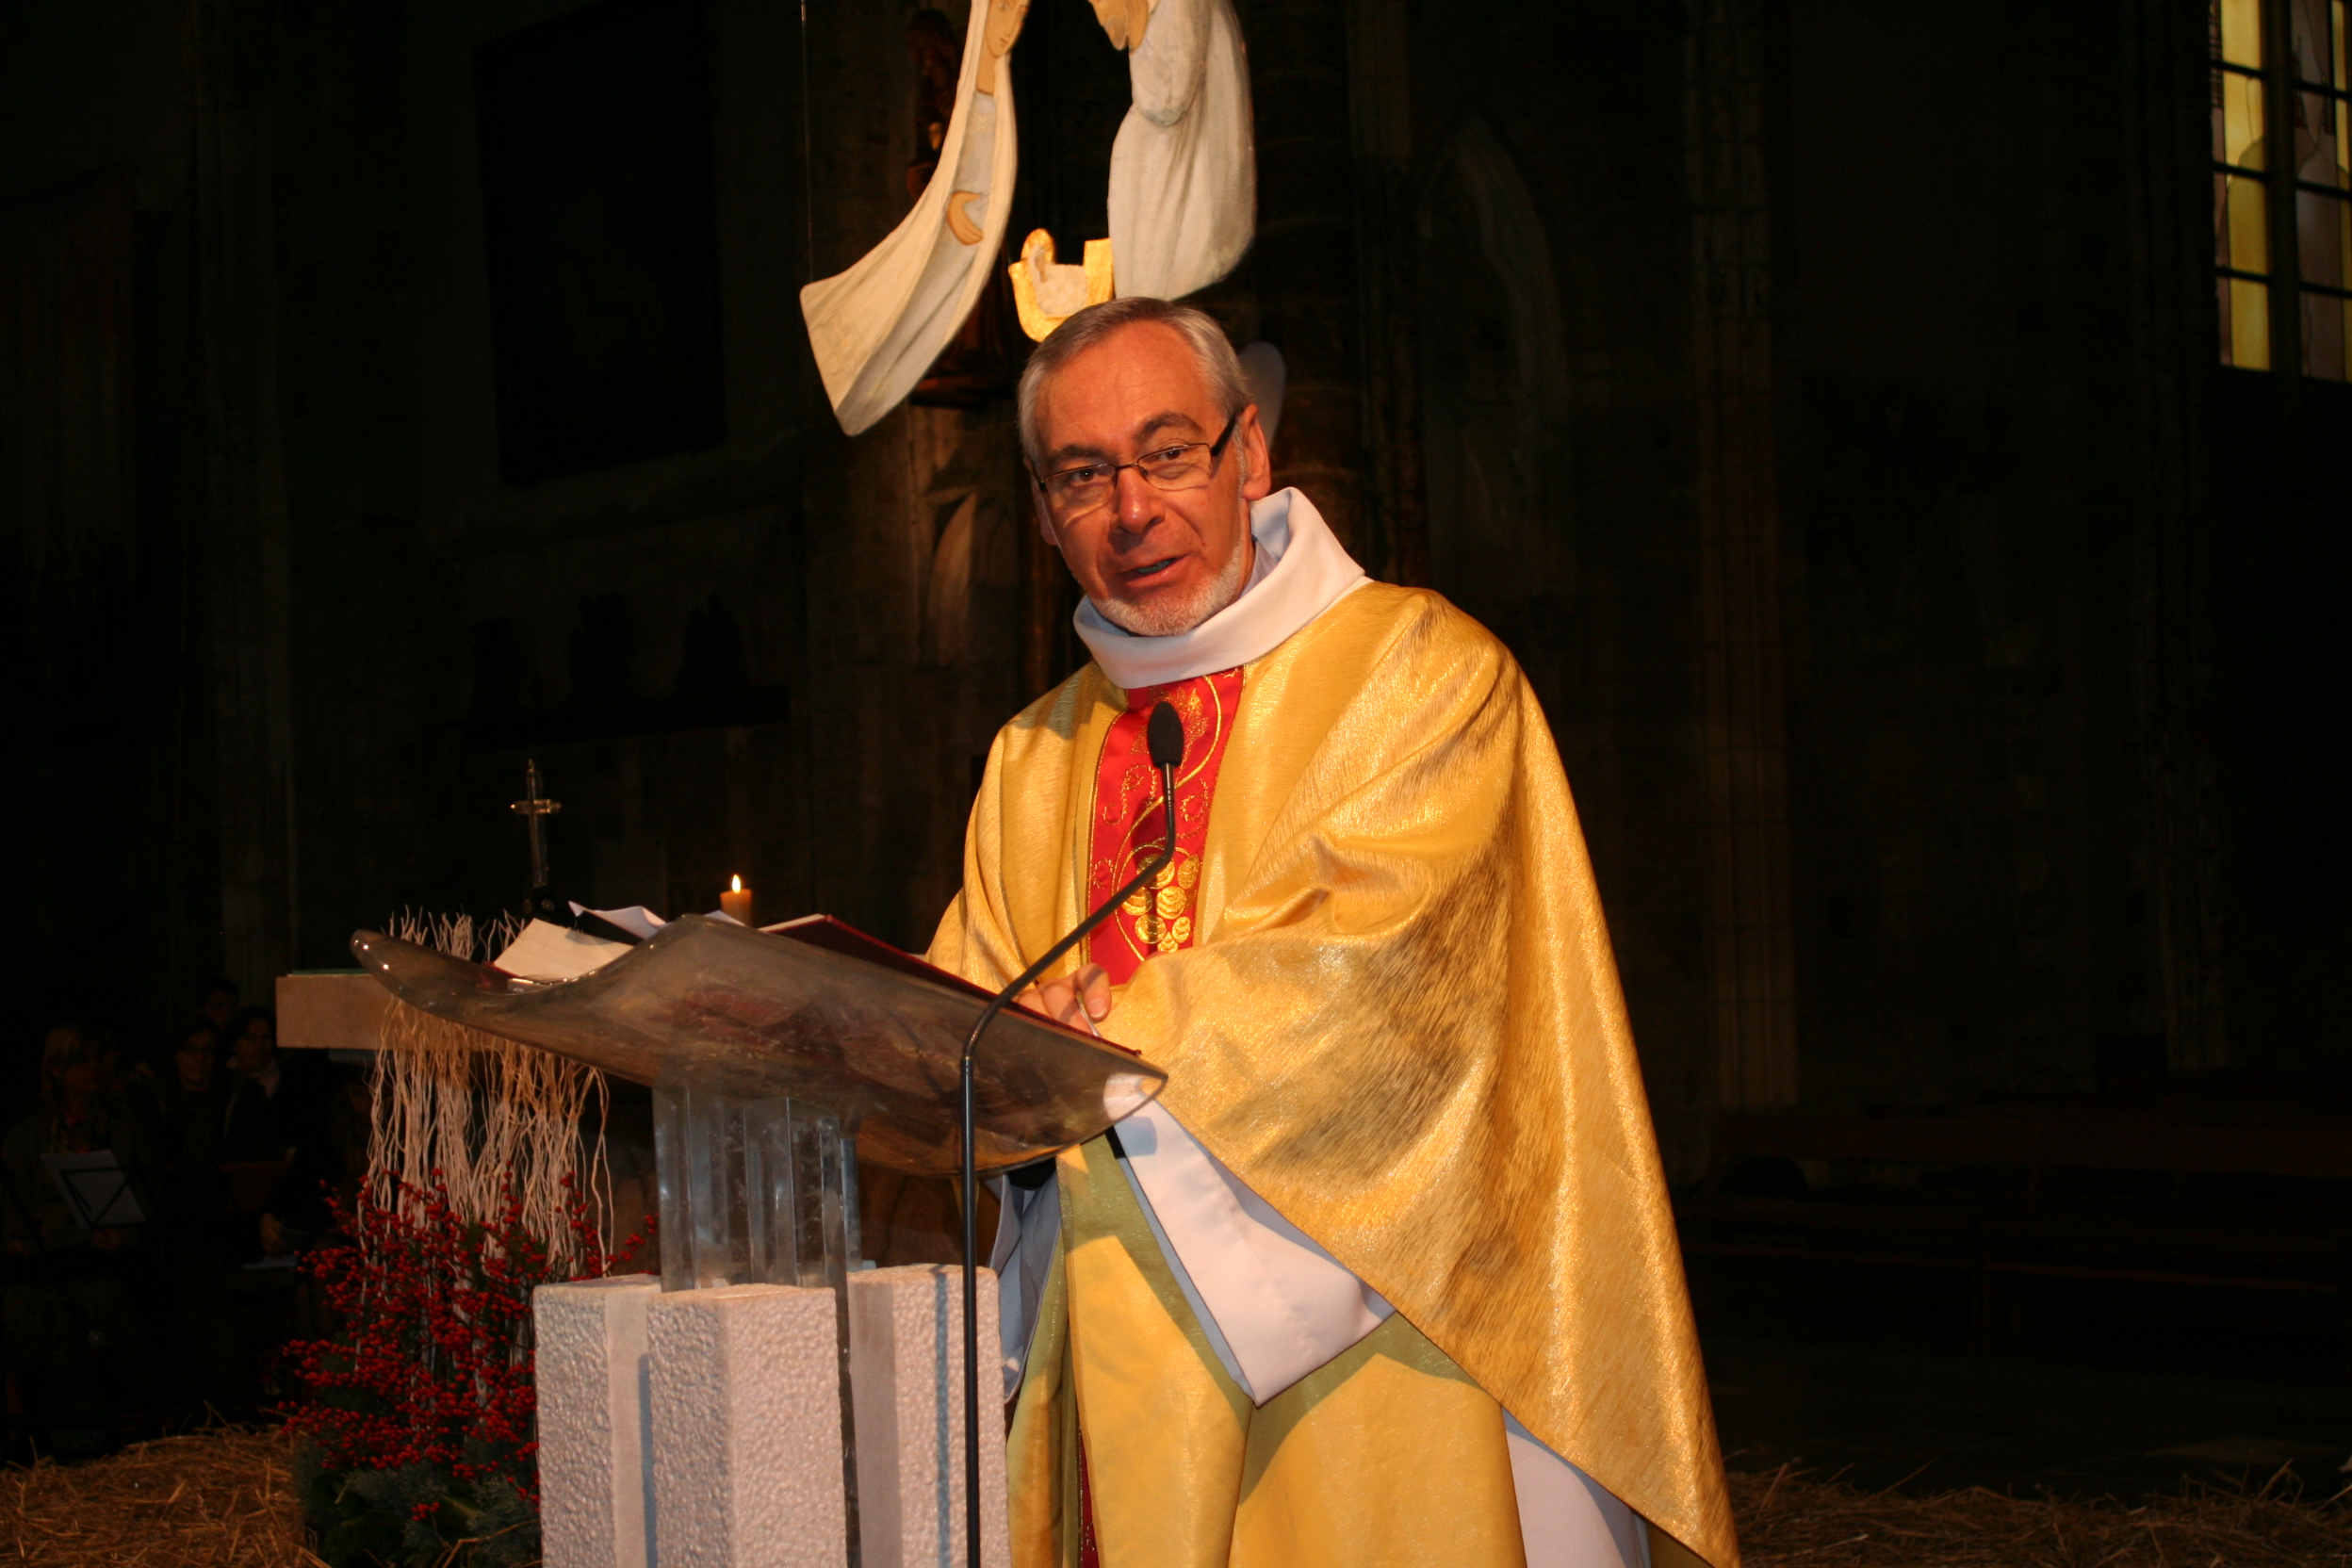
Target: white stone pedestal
<point>701,1429</point>
<point>596,1475</point>
<point>906,1377</point>
<point>746,1429</point>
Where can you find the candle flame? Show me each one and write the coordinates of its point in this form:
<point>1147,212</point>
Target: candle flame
<point>738,887</point>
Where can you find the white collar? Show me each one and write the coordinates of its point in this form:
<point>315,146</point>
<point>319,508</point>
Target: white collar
<point>1301,570</point>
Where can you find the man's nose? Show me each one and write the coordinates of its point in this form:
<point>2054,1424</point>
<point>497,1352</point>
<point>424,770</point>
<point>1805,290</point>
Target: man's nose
<point>1138,504</point>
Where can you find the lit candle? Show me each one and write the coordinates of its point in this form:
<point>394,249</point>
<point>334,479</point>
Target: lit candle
<point>736,901</point>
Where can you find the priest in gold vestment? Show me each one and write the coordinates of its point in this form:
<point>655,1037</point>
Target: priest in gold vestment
<point>1387,1275</point>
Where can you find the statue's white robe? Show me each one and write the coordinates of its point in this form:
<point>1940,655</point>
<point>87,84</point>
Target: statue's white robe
<point>1184,197</point>
<point>878,326</point>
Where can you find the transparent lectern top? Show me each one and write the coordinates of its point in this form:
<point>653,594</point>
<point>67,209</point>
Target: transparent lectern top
<point>746,1013</point>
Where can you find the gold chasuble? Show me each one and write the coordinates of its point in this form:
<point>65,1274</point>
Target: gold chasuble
<point>1393,1015</point>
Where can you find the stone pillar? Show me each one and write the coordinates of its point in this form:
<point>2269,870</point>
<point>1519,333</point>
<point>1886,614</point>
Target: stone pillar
<point>1395,542</point>
<point>595,1464</point>
<point>746,1429</point>
<point>1751,924</point>
<point>246,536</point>
<point>1303,262</point>
<point>907,1370</point>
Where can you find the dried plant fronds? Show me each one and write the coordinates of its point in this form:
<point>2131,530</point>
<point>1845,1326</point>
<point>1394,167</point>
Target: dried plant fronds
<point>1788,1518</point>
<point>223,1498</point>
<point>484,1119</point>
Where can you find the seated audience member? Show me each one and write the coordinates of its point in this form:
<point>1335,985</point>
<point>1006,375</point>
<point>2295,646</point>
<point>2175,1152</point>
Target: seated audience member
<point>253,1036</point>
<point>78,1114</point>
<point>217,1005</point>
<point>192,1095</point>
<point>76,1345</point>
<point>333,1163</point>
<point>126,1084</point>
<point>203,1361</point>
<point>272,1105</point>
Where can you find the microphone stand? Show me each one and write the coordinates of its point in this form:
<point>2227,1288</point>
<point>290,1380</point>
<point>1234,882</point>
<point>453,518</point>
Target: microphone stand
<point>1166,732</point>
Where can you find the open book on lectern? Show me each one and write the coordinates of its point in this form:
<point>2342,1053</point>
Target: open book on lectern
<point>813,1010</point>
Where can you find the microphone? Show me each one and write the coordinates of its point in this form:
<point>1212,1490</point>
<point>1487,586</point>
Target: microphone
<point>1165,735</point>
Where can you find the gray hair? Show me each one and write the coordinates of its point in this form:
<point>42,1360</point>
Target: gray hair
<point>1081,330</point>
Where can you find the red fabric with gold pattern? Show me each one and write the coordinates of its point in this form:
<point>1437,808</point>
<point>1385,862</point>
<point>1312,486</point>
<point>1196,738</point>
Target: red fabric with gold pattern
<point>1127,827</point>
<point>1128,820</point>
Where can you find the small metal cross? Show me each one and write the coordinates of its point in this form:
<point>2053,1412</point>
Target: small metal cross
<point>536,809</point>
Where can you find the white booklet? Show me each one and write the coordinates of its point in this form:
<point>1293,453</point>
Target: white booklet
<point>546,951</point>
<point>97,1189</point>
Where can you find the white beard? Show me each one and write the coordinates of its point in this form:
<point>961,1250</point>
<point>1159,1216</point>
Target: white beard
<point>1167,617</point>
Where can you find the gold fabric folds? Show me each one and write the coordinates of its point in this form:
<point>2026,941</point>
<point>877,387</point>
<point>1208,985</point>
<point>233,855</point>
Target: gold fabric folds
<point>1388,1455</point>
<point>1401,1024</point>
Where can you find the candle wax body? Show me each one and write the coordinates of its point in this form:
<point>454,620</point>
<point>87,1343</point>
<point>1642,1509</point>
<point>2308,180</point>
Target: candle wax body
<point>736,903</point>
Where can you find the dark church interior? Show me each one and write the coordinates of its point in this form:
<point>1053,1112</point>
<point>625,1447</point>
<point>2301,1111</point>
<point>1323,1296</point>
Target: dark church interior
<point>1909,448</point>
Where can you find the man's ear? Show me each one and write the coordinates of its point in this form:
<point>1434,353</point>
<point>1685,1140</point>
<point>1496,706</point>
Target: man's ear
<point>1045,518</point>
<point>1257,462</point>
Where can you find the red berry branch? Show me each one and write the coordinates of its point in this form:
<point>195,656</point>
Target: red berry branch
<point>433,1366</point>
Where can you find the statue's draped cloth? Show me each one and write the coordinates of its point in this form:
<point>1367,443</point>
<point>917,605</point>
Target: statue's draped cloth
<point>1184,194</point>
<point>1400,1023</point>
<point>877,327</point>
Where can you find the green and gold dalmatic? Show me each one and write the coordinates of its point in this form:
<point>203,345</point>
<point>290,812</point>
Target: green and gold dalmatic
<point>1400,1023</point>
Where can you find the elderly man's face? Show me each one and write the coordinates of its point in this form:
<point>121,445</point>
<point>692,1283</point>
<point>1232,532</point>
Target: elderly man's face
<point>1154,561</point>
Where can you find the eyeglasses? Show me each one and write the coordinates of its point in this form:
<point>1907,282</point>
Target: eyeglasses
<point>1185,466</point>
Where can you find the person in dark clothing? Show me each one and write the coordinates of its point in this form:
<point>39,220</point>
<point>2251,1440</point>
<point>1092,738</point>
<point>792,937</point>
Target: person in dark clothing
<point>193,1096</point>
<point>274,1103</point>
<point>296,1213</point>
<point>198,1232</point>
<point>79,1114</point>
<point>218,1005</point>
<point>79,1351</point>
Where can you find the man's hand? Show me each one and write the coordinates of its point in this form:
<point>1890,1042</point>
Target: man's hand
<point>1062,999</point>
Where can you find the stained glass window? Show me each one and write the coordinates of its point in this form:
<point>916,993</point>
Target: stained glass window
<point>2241,195</point>
<point>2282,221</point>
<point>2323,190</point>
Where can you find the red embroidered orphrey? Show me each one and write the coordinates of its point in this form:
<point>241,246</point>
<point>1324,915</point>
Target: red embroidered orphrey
<point>1128,821</point>
<point>1127,827</point>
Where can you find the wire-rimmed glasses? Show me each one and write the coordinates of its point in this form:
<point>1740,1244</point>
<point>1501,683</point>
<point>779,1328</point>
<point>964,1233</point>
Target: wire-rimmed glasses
<point>1180,465</point>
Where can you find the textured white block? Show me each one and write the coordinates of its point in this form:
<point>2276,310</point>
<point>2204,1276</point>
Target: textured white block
<point>906,1381</point>
<point>596,1465</point>
<point>746,1429</point>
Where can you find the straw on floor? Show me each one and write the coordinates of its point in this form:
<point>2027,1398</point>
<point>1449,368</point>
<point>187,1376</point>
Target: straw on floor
<point>1788,1519</point>
<point>225,1499</point>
